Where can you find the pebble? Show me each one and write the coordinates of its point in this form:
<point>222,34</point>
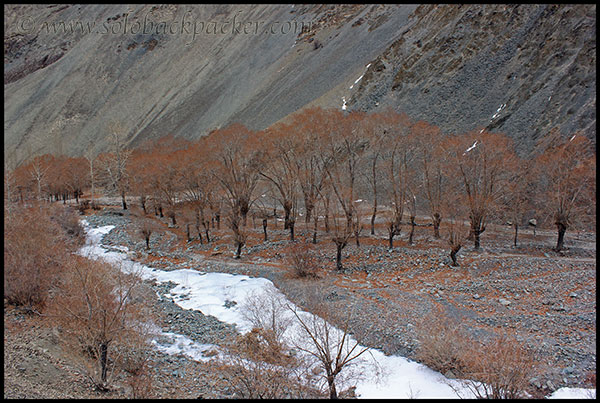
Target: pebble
<point>504,302</point>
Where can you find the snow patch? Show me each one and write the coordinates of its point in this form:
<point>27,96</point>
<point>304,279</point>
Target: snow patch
<point>470,148</point>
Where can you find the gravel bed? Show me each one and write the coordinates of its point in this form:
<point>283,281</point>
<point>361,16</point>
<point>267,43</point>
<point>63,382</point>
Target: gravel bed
<point>548,301</point>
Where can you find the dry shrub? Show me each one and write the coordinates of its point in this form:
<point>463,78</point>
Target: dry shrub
<point>69,222</point>
<point>442,343</point>
<point>302,260</point>
<point>35,249</point>
<point>99,319</point>
<point>141,383</point>
<point>260,364</point>
<point>262,345</point>
<point>83,206</point>
<point>259,367</point>
<point>590,381</point>
<point>499,368</point>
<point>133,357</point>
<point>266,309</point>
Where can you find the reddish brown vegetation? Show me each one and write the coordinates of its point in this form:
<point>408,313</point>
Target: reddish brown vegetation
<point>346,165</point>
<point>36,248</point>
<point>499,368</point>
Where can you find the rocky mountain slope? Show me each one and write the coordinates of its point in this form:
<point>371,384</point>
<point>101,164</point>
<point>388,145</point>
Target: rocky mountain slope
<point>70,70</point>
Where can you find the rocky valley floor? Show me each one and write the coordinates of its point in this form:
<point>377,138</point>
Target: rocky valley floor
<point>547,300</point>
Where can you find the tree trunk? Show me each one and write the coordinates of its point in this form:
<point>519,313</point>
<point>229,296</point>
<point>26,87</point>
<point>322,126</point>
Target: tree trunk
<point>160,211</point>
<point>453,253</point>
<point>286,219</point>
<point>315,228</point>
<point>516,234</point>
<point>199,233</point>
<point>264,224</point>
<point>338,258</point>
<point>103,360</point>
<point>412,230</point>
<point>143,203</point>
<point>238,253</point>
<point>374,173</point>
<point>562,228</point>
<point>437,219</point>
<point>189,238</point>
<point>373,219</point>
<point>291,227</point>
<point>206,233</point>
<point>123,200</point>
<point>476,239</point>
<point>309,209</point>
<point>147,242</point>
<point>391,240</point>
<point>476,230</point>
<point>332,389</point>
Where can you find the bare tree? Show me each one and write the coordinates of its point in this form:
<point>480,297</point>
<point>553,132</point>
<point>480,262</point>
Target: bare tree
<point>95,311</point>
<point>38,171</point>
<point>398,159</point>
<point>456,239</point>
<point>341,151</point>
<point>280,169</point>
<point>146,227</point>
<point>114,163</point>
<point>567,175</point>
<point>333,349</point>
<point>307,128</point>
<point>237,156</point>
<point>433,166</point>
<point>478,159</point>
<point>517,196</point>
<point>235,223</point>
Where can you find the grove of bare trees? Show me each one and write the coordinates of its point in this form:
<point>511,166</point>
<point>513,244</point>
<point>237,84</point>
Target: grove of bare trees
<point>338,172</point>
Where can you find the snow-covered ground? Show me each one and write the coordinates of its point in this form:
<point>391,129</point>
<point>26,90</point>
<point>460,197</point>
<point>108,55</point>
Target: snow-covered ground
<point>209,292</point>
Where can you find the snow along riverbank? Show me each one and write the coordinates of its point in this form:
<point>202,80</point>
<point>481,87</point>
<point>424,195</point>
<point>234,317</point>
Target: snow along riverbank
<point>224,296</point>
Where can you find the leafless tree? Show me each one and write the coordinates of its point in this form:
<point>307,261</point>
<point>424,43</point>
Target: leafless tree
<point>114,163</point>
<point>566,175</point>
<point>333,349</point>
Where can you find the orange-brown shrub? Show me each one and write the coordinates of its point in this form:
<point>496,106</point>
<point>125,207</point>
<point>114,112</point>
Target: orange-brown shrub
<point>260,367</point>
<point>35,250</point>
<point>499,368</point>
<point>302,260</point>
<point>101,320</point>
<point>442,343</point>
<point>69,222</point>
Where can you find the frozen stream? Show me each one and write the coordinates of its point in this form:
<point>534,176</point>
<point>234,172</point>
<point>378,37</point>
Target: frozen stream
<point>208,293</point>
